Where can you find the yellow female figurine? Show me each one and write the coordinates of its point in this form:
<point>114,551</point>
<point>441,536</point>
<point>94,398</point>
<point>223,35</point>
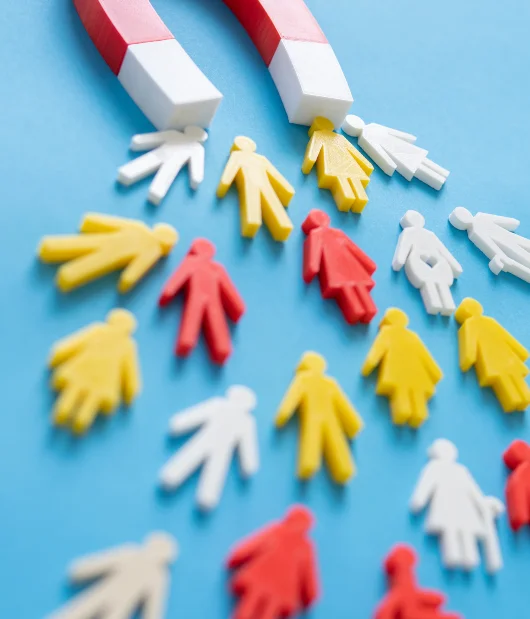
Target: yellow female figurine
<point>326,418</point>
<point>93,368</point>
<point>497,356</point>
<point>408,373</point>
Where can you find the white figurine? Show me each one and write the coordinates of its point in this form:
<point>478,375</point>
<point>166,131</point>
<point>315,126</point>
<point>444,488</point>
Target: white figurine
<point>429,265</point>
<point>172,150</point>
<point>459,512</point>
<point>227,424</point>
<point>395,150</point>
<point>131,577</point>
<point>494,236</point>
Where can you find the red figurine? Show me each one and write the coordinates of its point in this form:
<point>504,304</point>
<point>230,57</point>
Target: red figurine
<point>405,599</point>
<point>517,459</point>
<point>344,270</point>
<point>277,575</point>
<point>209,295</point>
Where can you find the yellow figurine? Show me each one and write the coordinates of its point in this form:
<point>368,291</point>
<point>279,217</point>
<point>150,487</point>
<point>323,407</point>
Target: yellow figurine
<point>262,189</point>
<point>408,374</point>
<point>340,166</point>
<point>497,356</point>
<point>326,416</point>
<point>107,244</point>
<point>93,368</point>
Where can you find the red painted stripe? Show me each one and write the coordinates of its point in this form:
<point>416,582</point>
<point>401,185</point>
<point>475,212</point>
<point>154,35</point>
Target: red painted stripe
<point>113,25</point>
<point>267,22</point>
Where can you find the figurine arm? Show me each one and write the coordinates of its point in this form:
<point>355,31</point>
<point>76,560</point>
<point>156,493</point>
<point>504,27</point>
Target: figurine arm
<point>311,154</point>
<point>313,249</point>
<point>232,302</point>
<point>467,346</point>
<point>139,266</point>
<point>456,267</point>
<point>71,345</point>
<point>375,354</point>
<point>154,605</point>
<point>229,174</point>
<point>349,418</point>
<point>308,578</point>
<point>251,546</point>
<point>282,187</point>
<point>290,402</point>
<point>433,369</point>
<point>380,156</point>
<point>369,265</point>
<point>131,381</point>
<point>97,564</point>
<point>148,141</point>
<point>248,448</point>
<point>508,223</point>
<point>192,417</point>
<point>514,344</point>
<point>407,137</point>
<point>403,249</point>
<point>175,283</point>
<point>425,488</point>
<point>362,161</point>
<point>96,222</point>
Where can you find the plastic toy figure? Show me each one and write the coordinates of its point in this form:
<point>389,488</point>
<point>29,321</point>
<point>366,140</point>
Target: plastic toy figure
<point>226,424</point>
<point>327,417</point>
<point>429,265</point>
<point>395,150</point>
<point>459,512</point>
<point>408,374</point>
<point>170,152</point>
<point>92,368</point>
<point>499,359</point>
<point>344,270</point>
<point>405,599</point>
<point>494,236</point>
<point>131,578</point>
<point>262,189</point>
<point>517,459</point>
<point>107,244</point>
<point>340,166</point>
<point>209,295</point>
<point>276,569</point>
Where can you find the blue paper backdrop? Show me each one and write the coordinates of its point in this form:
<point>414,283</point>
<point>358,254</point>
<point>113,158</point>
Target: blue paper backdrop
<point>455,74</point>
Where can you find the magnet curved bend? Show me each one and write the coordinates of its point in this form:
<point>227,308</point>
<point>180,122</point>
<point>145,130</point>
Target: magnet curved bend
<point>173,92</point>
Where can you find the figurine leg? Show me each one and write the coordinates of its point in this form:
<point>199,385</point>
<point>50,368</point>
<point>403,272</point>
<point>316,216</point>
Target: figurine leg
<point>164,179</point>
<point>138,169</point>
<point>310,449</point>
<point>361,199</point>
<point>518,502</point>
<point>446,298</point>
<point>419,409</point>
<point>62,248</point>
<point>190,327</point>
<point>86,268</point>
<point>431,297</point>
<point>185,461</point>
<point>275,216</point>
<point>65,405</point>
<point>86,413</point>
<point>451,551</point>
<point>213,478</point>
<point>430,174</point>
<point>510,393</point>
<point>250,207</point>
<point>342,193</point>
<point>248,605</point>
<point>401,406</point>
<point>216,332</point>
<point>337,450</point>
<point>470,555</point>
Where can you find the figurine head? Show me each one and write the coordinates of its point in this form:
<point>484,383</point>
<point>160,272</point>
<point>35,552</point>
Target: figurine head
<point>442,449</point>
<point>197,134</point>
<point>461,218</point>
<point>242,396</point>
<point>401,557</point>
<point>353,125</point>
<point>243,143</point>
<point>394,317</point>
<point>162,547</point>
<point>312,361</point>
<point>202,247</point>
<point>122,319</point>
<point>321,124</point>
<point>299,519</point>
<point>315,219</point>
<point>412,219</point>
<point>167,237</point>
<point>468,309</point>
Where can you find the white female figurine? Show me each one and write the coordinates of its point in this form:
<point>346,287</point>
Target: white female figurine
<point>459,513</point>
<point>429,265</point>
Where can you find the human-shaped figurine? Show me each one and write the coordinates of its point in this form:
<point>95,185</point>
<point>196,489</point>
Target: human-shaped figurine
<point>170,152</point>
<point>459,513</point>
<point>106,244</point>
<point>429,265</point>
<point>406,600</point>
<point>93,368</point>
<point>226,424</point>
<point>344,270</point>
<point>340,166</point>
<point>276,574</point>
<point>209,294</point>
<point>327,417</point>
<point>517,459</point>
<point>262,190</point>
<point>408,374</point>
<point>494,236</point>
<point>395,150</point>
<point>499,359</point>
<point>132,578</point>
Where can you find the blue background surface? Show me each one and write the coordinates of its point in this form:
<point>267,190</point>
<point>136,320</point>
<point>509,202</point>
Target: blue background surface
<point>455,74</point>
